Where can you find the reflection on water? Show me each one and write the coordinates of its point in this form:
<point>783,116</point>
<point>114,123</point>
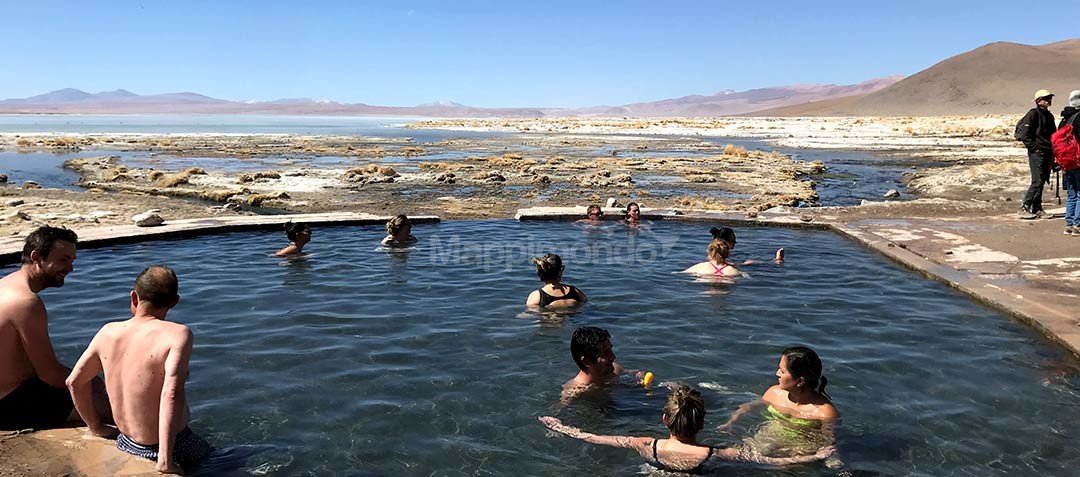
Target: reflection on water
<point>350,360</point>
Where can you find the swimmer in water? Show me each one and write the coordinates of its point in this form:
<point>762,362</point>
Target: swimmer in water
<point>799,395</point>
<point>299,234</point>
<point>593,215</point>
<point>591,349</point>
<point>684,416</point>
<point>399,233</point>
<point>633,214</point>
<point>554,294</point>
<point>716,264</point>
<point>728,235</point>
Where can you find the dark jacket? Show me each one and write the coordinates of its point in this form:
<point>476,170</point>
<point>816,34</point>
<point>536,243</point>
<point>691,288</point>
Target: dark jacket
<point>1036,128</point>
<point>1066,116</point>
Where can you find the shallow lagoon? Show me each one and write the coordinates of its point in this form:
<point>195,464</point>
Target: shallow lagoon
<point>353,361</point>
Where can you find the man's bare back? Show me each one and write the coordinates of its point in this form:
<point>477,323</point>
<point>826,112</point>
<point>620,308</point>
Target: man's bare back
<point>145,360</point>
<point>135,356</point>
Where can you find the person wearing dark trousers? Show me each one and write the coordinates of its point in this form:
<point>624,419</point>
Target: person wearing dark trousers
<point>1034,130</point>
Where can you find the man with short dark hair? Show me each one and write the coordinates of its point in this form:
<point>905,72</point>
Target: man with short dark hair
<point>1035,129</point>
<point>591,349</point>
<point>32,391</point>
<point>145,360</point>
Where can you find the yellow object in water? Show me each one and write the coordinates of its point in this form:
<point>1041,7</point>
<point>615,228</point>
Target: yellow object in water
<point>647,380</point>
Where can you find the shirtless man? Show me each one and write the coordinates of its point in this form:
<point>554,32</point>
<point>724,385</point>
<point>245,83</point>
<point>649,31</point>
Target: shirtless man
<point>591,349</point>
<point>145,360</point>
<point>32,392</point>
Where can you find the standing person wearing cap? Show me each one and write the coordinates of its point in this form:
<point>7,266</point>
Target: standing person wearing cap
<point>1034,130</point>
<point>1072,177</point>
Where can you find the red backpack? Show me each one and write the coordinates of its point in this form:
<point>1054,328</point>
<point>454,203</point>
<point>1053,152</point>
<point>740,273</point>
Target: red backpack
<point>1066,149</point>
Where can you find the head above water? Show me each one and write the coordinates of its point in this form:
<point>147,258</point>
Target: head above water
<point>718,251</point>
<point>157,287</point>
<point>633,210</point>
<point>684,412</point>
<point>804,366</point>
<point>297,231</point>
<point>726,234</point>
<point>549,268</point>
<point>398,224</point>
<point>594,212</point>
<point>588,345</point>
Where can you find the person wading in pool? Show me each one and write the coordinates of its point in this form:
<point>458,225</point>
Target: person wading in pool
<point>716,264</point>
<point>684,416</point>
<point>727,234</point>
<point>145,360</point>
<point>554,294</point>
<point>32,391</point>
<point>399,233</point>
<point>591,349</point>
<point>799,395</point>
<point>299,234</point>
<point>593,215</point>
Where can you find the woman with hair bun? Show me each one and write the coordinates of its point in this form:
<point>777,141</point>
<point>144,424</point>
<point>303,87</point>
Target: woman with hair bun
<point>727,234</point>
<point>798,399</point>
<point>554,293</point>
<point>684,416</point>
<point>716,264</point>
<point>399,232</point>
<point>299,234</point>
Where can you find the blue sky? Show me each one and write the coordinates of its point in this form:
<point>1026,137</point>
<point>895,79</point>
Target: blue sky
<point>537,53</point>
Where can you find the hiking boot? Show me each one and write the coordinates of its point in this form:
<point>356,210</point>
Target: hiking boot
<point>1041,214</point>
<point>1070,230</point>
<point>1025,214</point>
<point>1076,231</point>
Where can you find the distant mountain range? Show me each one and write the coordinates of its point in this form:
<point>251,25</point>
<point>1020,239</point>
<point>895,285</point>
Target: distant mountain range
<point>724,103</point>
<point>995,78</point>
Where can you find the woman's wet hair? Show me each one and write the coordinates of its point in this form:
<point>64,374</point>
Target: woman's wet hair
<point>292,229</point>
<point>803,362</point>
<point>594,209</point>
<point>394,225</point>
<point>632,204</point>
<point>719,249</point>
<point>585,344</point>
<point>685,412</point>
<point>548,267</point>
<point>726,234</point>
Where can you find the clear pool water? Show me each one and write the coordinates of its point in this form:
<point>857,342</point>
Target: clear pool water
<point>353,361</point>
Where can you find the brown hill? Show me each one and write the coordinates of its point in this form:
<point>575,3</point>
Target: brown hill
<point>995,78</point>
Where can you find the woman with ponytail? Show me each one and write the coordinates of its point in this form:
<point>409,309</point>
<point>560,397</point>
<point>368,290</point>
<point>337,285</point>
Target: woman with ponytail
<point>554,293</point>
<point>684,416</point>
<point>798,398</point>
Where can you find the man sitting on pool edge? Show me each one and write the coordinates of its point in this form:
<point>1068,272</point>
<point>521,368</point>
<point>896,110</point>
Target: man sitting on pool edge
<point>591,349</point>
<point>145,360</point>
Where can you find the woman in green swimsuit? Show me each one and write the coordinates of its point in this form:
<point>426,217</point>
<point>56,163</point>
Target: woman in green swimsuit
<point>798,412</point>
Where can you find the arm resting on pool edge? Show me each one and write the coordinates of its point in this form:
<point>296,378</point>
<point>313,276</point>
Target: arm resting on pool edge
<point>639,444</point>
<point>740,412</point>
<point>79,384</point>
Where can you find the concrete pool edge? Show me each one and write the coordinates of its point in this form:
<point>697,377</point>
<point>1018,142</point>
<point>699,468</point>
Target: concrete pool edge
<point>11,249</point>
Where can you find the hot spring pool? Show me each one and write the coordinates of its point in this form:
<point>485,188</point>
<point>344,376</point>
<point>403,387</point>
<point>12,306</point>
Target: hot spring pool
<point>353,361</point>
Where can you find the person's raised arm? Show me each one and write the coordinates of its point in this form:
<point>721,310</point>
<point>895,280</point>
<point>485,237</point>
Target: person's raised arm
<point>639,444</point>
<point>172,398</point>
<point>79,384</point>
<point>33,325</point>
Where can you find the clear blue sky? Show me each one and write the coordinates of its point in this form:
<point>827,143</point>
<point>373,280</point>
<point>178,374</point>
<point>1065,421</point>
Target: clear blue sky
<point>497,53</point>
